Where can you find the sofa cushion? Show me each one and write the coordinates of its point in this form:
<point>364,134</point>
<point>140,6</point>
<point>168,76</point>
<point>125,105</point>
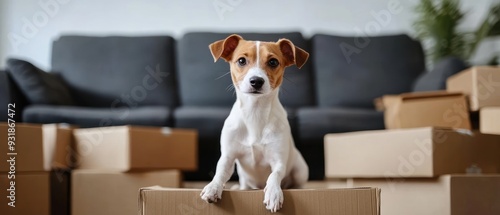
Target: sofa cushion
<point>352,71</point>
<point>38,86</point>
<point>207,120</point>
<point>210,120</point>
<point>205,83</point>
<point>314,123</point>
<point>117,71</point>
<point>97,117</point>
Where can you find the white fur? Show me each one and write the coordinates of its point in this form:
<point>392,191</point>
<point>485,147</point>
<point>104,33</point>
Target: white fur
<point>257,137</point>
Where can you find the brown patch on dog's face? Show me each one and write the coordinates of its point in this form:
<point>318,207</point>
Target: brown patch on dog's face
<point>271,60</point>
<point>245,50</point>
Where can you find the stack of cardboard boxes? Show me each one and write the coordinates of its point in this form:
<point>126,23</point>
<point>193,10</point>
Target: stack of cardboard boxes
<point>482,84</point>
<point>113,163</point>
<point>107,166</point>
<point>34,171</point>
<point>430,160</point>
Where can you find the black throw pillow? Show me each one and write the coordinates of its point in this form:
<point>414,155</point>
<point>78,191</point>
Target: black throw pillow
<point>38,86</point>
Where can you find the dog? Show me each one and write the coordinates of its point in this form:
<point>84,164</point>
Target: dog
<point>256,135</point>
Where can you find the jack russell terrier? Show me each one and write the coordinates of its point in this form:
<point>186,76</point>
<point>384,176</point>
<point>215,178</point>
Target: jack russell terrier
<point>256,134</point>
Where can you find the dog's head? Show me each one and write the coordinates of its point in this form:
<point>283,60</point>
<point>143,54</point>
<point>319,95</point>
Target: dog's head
<point>257,68</point>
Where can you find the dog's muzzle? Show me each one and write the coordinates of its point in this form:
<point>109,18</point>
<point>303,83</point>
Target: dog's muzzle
<point>256,83</point>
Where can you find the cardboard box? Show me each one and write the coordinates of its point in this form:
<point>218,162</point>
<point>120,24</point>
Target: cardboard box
<point>126,148</point>
<point>489,122</point>
<point>36,147</point>
<point>417,152</point>
<point>446,195</point>
<point>157,200</point>
<point>100,192</point>
<point>422,109</point>
<point>41,193</point>
<point>481,84</point>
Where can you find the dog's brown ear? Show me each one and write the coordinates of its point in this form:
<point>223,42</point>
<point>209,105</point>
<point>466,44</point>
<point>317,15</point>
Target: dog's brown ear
<point>293,54</point>
<point>224,48</point>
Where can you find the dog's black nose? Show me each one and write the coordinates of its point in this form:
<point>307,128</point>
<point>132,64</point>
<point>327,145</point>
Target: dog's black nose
<point>256,82</point>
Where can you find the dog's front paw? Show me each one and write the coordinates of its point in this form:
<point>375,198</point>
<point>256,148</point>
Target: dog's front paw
<point>273,198</point>
<point>211,193</point>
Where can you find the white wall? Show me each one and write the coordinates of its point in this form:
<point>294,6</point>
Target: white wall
<point>175,17</point>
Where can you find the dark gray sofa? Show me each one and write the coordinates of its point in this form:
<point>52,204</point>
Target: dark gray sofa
<point>112,79</point>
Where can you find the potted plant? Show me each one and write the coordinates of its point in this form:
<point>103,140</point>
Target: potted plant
<point>437,25</point>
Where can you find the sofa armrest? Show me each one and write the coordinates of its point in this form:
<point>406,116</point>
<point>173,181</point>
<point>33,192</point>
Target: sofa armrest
<point>10,93</point>
<point>436,79</point>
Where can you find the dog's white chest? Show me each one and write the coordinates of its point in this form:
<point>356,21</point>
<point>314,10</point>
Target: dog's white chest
<point>254,165</point>
<point>255,155</point>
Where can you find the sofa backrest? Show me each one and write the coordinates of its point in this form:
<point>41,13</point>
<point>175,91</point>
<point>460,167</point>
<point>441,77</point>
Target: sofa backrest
<point>117,71</point>
<point>205,83</point>
<point>10,94</point>
<point>352,71</point>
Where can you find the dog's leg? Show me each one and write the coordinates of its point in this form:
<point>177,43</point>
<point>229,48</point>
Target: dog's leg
<point>273,195</point>
<point>243,183</point>
<point>300,171</point>
<point>242,178</point>
<point>225,168</point>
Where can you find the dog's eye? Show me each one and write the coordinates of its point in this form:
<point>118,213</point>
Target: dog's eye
<point>242,61</point>
<point>273,62</point>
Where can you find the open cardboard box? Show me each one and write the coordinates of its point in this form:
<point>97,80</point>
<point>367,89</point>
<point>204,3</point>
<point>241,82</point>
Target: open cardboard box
<point>410,153</point>
<point>127,148</point>
<point>422,109</point>
<point>163,201</point>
